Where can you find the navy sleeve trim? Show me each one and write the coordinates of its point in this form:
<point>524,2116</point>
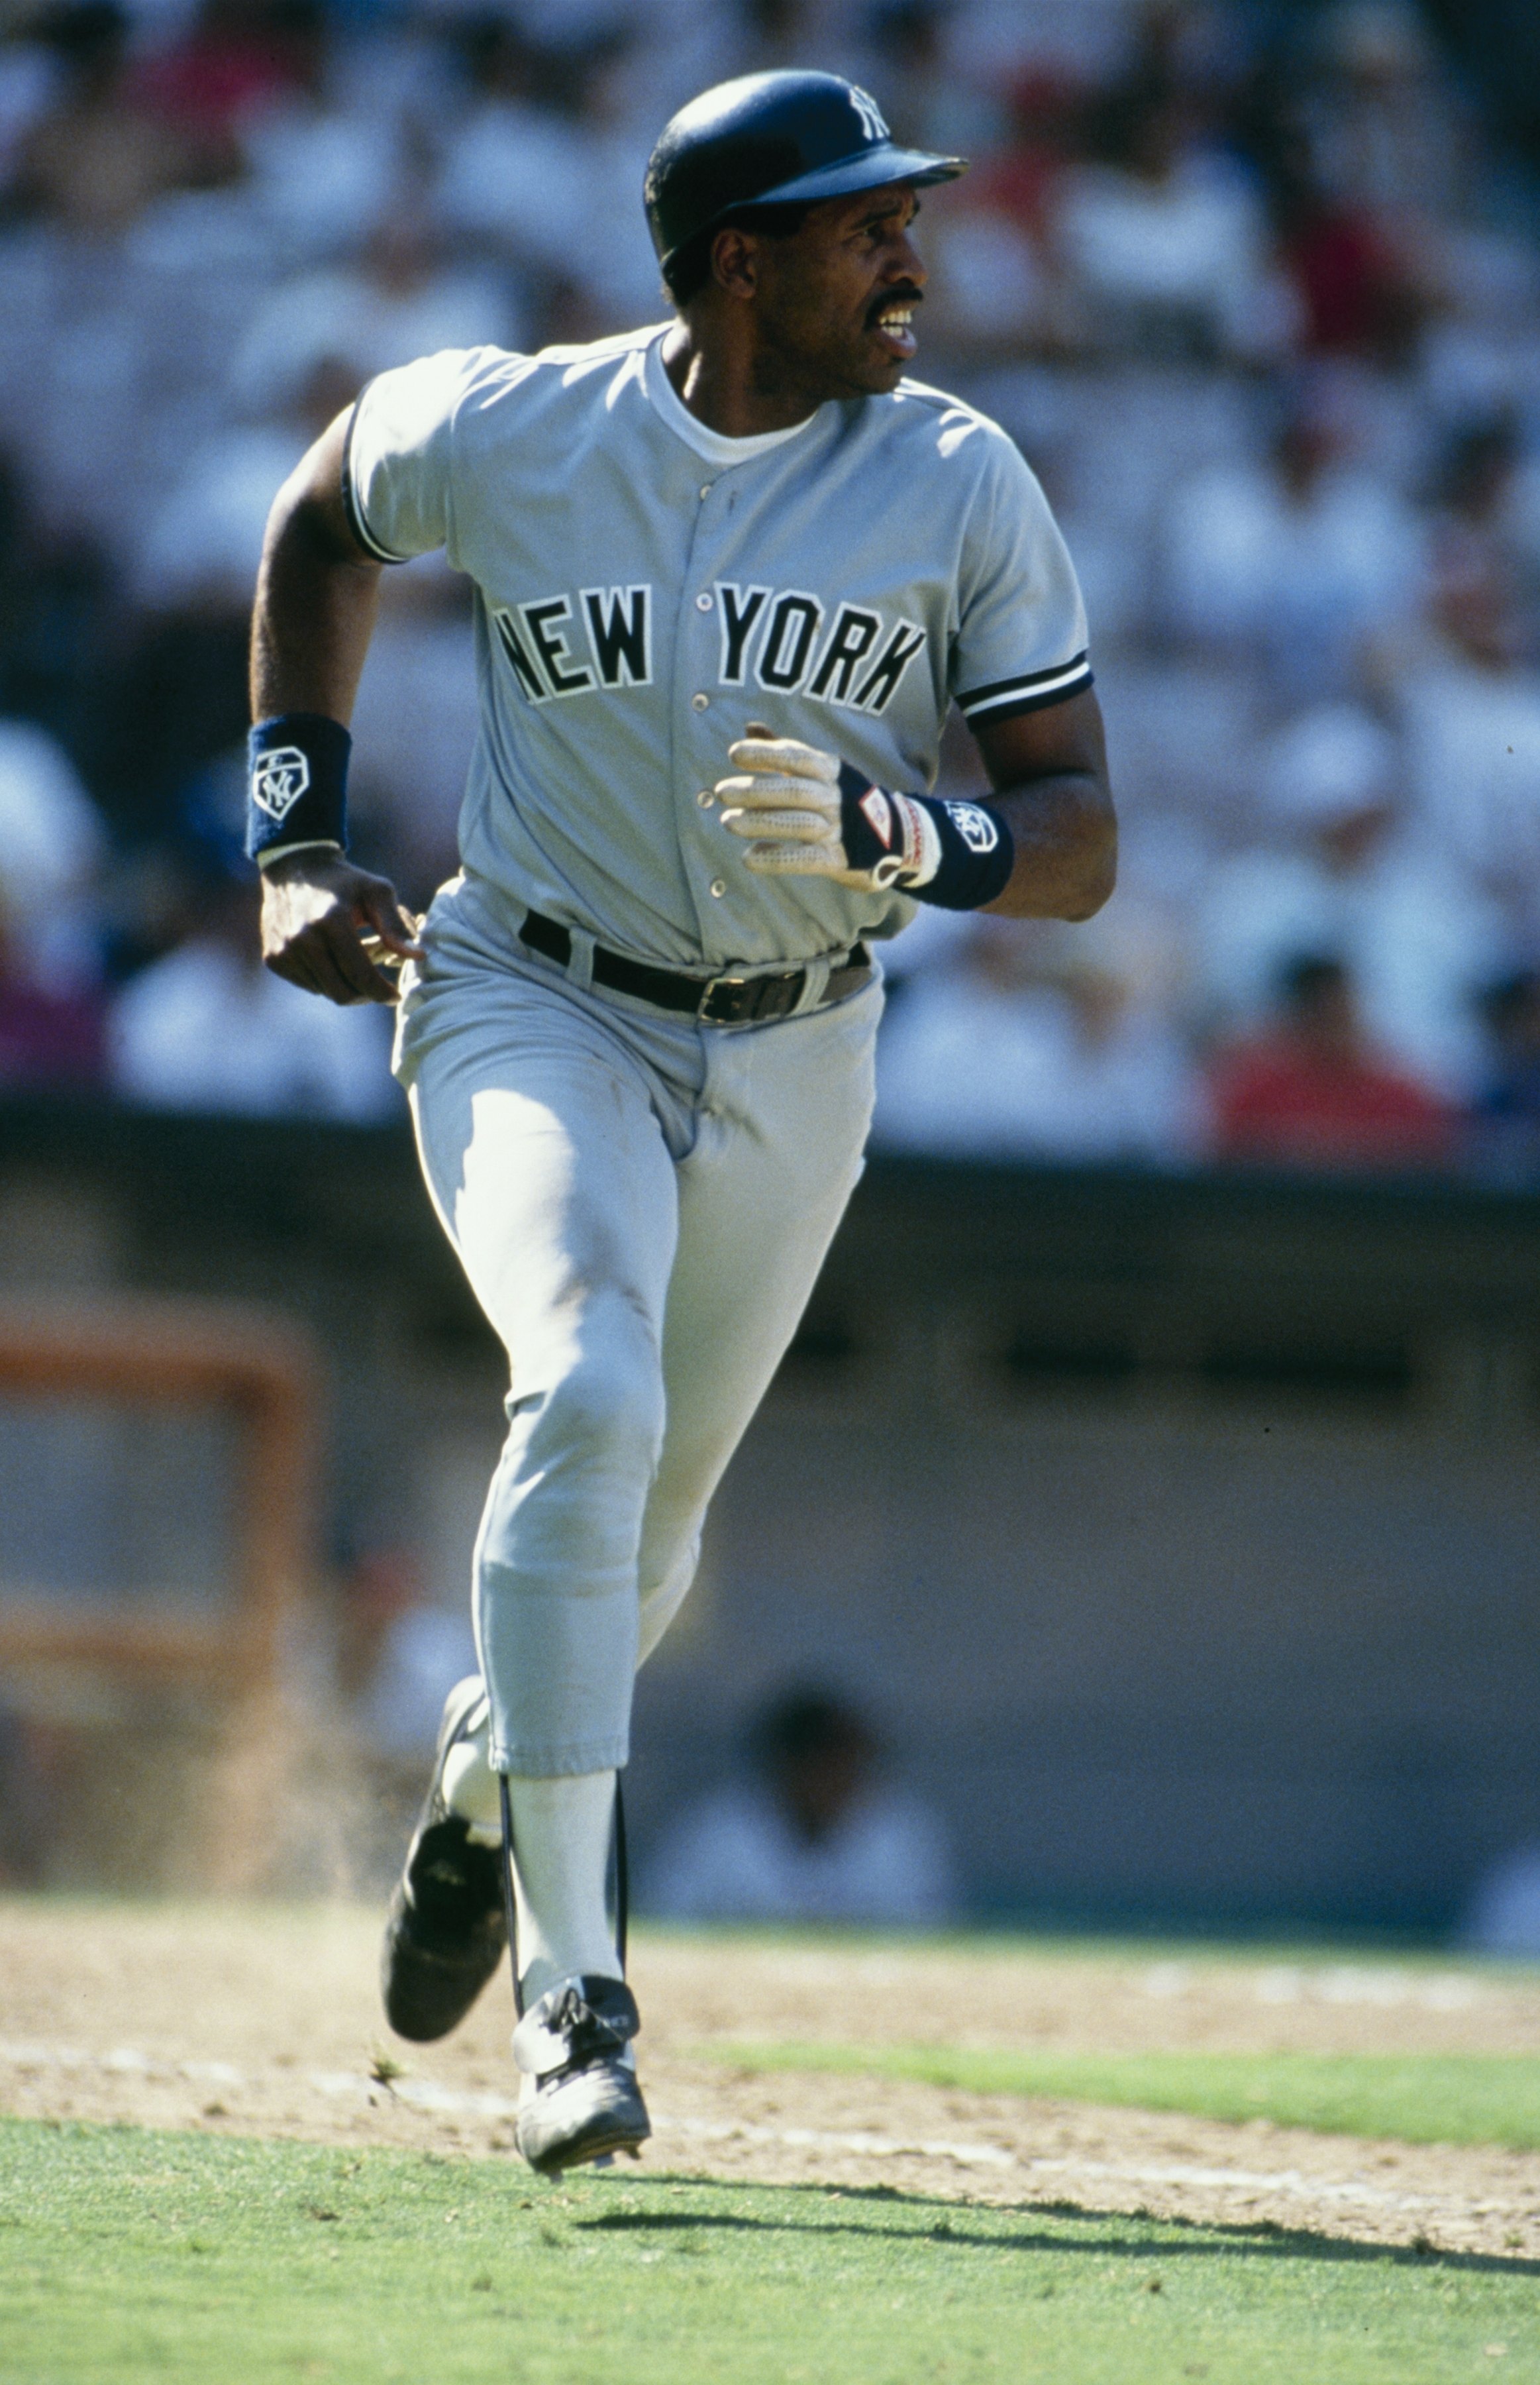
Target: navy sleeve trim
<point>1061,679</point>
<point>1009,706</point>
<point>351,506</point>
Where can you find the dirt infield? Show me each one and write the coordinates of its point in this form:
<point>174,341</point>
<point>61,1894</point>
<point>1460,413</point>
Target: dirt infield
<point>259,2020</point>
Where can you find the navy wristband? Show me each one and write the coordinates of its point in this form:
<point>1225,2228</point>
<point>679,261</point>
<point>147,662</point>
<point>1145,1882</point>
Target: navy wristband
<point>296,782</point>
<point>978,851</point>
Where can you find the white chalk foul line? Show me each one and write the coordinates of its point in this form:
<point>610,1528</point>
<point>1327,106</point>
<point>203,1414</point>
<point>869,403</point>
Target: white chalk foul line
<point>428,2097</point>
<point>1252,2181</point>
<point>1287,2182</point>
<point>422,2094</point>
<point>122,2062</point>
<point>854,2140</point>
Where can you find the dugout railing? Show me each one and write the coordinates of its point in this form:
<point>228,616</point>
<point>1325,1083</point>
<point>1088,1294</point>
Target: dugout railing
<point>229,1390</point>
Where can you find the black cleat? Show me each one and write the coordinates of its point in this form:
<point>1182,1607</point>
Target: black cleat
<point>586,2104</point>
<point>447,1926</point>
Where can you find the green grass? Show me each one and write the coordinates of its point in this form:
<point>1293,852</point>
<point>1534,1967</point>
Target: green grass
<point>127,2256</point>
<point>1451,2099</point>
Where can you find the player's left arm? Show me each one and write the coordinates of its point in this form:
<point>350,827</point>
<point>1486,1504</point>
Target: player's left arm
<point>1049,772</point>
<point>1045,848</point>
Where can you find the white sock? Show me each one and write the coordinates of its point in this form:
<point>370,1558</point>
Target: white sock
<point>469,1785</point>
<point>562,1835</point>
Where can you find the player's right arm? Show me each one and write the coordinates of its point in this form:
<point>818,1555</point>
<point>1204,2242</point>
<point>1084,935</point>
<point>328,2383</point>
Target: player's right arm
<point>317,595</point>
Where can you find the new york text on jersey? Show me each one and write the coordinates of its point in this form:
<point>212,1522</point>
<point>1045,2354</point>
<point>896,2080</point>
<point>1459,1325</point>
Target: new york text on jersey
<point>559,646</point>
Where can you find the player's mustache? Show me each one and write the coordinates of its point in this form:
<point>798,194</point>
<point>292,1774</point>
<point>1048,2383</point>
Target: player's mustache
<point>905,294</point>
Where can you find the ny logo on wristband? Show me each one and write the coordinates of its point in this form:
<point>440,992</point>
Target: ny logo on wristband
<point>973,825</point>
<point>280,778</point>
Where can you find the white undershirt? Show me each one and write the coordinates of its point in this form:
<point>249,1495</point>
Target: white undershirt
<point>714,445</point>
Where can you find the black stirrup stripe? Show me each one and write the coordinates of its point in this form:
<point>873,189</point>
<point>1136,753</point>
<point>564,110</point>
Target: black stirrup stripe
<point>622,1877</point>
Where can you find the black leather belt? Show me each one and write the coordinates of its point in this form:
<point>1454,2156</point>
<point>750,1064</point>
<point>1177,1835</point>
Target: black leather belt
<point>723,1001</point>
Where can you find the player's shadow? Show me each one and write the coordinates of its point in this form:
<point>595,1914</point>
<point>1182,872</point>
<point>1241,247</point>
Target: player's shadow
<point>1190,2238</point>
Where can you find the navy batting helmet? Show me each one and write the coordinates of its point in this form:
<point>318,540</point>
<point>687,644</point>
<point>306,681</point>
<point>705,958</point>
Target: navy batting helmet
<point>772,140</point>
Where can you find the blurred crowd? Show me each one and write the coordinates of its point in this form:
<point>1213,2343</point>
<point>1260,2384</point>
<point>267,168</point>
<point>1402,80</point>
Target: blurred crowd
<point>1256,288</point>
<point>808,1827</point>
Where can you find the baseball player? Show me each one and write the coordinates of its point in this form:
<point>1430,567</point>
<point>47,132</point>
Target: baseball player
<point>730,572</point>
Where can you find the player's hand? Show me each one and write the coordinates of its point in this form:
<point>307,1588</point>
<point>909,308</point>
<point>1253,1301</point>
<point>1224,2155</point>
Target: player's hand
<point>786,800</point>
<point>800,808</point>
<point>327,926</point>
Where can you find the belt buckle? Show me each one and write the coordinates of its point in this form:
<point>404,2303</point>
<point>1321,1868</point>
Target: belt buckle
<point>735,1014</point>
<point>750,999</point>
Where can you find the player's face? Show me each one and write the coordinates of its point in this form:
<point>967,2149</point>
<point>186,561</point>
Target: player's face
<point>834,303</point>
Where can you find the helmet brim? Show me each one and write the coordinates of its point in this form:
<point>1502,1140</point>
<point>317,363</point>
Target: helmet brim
<point>864,169</point>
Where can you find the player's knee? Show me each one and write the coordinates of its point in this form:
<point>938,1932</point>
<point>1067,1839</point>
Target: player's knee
<point>610,1404</point>
<point>566,1503</point>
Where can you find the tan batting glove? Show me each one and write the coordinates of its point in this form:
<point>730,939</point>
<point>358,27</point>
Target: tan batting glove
<point>801,811</point>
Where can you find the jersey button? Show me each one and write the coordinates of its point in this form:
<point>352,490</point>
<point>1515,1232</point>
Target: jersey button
<point>706,491</point>
<point>702,603</point>
<point>718,886</point>
<point>700,702</point>
<point>705,799</point>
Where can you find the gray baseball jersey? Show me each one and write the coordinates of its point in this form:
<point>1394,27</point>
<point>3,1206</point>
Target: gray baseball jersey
<point>644,587</point>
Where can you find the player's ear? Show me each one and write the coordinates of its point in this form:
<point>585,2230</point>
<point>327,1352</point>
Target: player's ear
<point>734,261</point>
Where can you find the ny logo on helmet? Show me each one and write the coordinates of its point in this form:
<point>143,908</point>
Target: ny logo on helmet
<point>279,780</point>
<point>870,113</point>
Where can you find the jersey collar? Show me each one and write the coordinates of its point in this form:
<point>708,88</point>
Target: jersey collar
<point>714,445</point>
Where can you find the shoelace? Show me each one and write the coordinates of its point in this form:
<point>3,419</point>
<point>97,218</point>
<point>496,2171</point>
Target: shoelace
<point>586,2032</point>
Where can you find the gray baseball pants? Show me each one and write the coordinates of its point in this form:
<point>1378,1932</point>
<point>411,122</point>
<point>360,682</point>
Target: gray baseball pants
<point>642,1204</point>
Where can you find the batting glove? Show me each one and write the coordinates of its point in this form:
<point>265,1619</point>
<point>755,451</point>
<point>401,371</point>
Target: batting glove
<point>806,814</point>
